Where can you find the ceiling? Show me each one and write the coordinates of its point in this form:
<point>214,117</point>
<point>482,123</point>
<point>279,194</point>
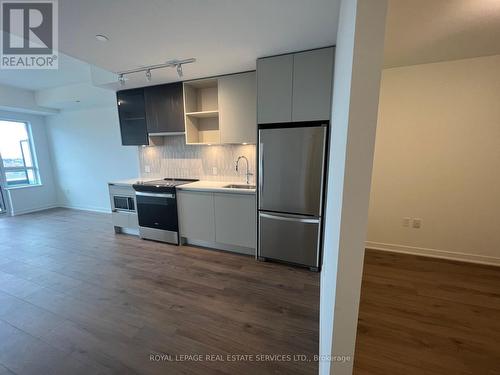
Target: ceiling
<point>426,31</point>
<point>224,36</point>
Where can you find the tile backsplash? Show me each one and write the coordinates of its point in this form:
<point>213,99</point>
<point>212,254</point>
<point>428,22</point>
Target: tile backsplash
<point>176,159</point>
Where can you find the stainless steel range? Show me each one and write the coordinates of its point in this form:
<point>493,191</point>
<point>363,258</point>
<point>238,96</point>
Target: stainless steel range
<point>157,209</point>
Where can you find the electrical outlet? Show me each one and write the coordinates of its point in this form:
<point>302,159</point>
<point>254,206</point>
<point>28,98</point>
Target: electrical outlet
<point>406,222</point>
<point>214,171</point>
<point>417,223</point>
<point>147,169</point>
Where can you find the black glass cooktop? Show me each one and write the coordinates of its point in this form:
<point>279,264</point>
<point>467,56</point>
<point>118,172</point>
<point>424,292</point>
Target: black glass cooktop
<point>166,184</point>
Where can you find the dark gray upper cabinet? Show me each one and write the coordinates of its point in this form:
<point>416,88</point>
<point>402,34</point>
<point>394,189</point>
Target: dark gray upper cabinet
<point>132,114</point>
<point>164,108</point>
<point>150,110</point>
<point>295,87</point>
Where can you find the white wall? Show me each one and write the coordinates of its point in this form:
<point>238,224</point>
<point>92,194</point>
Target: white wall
<point>14,99</point>
<point>358,64</point>
<point>87,154</point>
<point>438,158</point>
<point>34,198</point>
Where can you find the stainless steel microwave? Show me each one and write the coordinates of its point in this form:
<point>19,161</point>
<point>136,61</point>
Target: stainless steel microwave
<point>123,203</point>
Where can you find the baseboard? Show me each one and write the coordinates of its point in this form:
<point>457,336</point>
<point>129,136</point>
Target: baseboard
<point>33,209</point>
<point>48,207</point>
<point>434,253</point>
<point>83,208</point>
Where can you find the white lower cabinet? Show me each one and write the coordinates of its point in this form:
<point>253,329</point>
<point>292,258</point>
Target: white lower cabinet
<point>123,207</point>
<point>221,220</point>
<point>196,215</point>
<point>125,219</point>
<point>235,219</point>
<point>120,219</point>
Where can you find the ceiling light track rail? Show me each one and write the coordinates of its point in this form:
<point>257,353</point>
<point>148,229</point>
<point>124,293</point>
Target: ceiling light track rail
<point>147,69</point>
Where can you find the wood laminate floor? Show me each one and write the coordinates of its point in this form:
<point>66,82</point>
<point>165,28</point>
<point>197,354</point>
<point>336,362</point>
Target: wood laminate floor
<point>77,299</point>
<point>427,316</point>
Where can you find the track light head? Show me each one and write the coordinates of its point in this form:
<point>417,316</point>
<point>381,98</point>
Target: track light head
<point>168,64</point>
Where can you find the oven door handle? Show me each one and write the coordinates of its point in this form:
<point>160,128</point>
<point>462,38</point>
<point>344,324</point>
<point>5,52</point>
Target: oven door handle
<point>158,195</point>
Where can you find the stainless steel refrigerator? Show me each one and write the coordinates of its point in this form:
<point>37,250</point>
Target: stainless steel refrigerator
<point>290,192</point>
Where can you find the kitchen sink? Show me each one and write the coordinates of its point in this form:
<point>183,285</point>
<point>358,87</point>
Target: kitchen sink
<point>237,186</point>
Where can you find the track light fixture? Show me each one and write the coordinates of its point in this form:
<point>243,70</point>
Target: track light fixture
<point>169,64</point>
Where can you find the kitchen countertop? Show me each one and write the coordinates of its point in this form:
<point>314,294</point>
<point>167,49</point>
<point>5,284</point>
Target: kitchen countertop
<point>215,186</point>
<point>212,186</point>
<point>131,181</point>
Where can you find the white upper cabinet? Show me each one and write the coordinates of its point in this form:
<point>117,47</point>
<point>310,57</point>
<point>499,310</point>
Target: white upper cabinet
<point>312,85</point>
<point>221,110</point>
<point>274,89</point>
<point>295,87</point>
<point>237,108</point>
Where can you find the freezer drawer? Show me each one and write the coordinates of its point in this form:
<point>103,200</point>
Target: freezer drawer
<point>289,238</point>
<point>291,164</point>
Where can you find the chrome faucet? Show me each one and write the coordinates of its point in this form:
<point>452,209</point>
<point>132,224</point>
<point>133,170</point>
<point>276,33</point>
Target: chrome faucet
<point>248,174</point>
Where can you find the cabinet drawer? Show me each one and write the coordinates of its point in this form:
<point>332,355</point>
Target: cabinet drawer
<point>290,239</point>
<point>125,219</point>
<point>120,219</point>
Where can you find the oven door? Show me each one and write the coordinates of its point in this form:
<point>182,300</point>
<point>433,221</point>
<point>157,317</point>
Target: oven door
<point>158,212</point>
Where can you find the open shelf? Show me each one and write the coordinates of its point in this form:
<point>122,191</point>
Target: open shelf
<point>201,111</point>
<point>202,130</point>
<point>203,114</point>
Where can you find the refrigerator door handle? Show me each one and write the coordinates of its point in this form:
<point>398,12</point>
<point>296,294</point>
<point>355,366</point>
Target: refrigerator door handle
<point>290,218</point>
<point>261,167</point>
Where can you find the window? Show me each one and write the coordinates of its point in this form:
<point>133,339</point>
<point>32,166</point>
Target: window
<point>16,151</point>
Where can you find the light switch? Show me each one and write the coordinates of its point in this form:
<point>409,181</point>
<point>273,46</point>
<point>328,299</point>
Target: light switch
<point>147,169</point>
<point>406,222</point>
<point>214,171</point>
